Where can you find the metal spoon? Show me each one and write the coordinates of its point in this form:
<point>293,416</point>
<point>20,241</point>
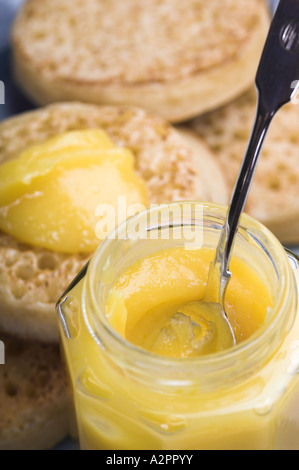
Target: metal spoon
<point>276,85</point>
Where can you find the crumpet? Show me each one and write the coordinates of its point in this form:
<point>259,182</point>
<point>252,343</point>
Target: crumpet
<point>175,166</point>
<point>33,396</point>
<point>177,59</point>
<point>274,195</point>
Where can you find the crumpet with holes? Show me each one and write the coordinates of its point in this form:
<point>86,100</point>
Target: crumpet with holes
<point>33,396</point>
<point>175,58</point>
<point>274,195</point>
<point>175,166</point>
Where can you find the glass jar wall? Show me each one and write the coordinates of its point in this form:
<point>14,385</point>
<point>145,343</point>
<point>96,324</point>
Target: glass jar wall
<point>128,398</point>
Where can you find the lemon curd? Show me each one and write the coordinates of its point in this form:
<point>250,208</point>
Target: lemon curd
<point>140,374</point>
<point>153,303</point>
<point>50,193</point>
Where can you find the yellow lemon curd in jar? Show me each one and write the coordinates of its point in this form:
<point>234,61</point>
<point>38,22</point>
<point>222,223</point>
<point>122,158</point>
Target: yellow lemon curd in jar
<point>153,304</point>
<point>114,409</point>
<point>50,193</point>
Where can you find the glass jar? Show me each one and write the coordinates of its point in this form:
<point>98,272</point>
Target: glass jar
<point>127,398</point>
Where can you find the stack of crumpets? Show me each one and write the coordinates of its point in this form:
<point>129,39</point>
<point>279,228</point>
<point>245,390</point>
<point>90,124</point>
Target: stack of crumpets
<point>107,74</point>
<point>43,206</point>
<point>110,77</point>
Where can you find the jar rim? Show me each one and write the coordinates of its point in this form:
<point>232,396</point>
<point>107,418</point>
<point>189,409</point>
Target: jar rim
<point>99,326</point>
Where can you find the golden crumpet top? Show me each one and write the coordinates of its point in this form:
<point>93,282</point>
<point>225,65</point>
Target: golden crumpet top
<point>172,57</point>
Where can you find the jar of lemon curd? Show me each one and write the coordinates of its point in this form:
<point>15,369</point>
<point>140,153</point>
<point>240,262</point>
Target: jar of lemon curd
<point>138,377</point>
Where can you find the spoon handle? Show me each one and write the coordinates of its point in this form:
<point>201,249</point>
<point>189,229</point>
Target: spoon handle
<point>276,85</point>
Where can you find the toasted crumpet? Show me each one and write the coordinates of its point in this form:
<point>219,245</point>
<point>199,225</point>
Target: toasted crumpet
<point>32,279</point>
<point>176,58</point>
<point>33,396</point>
<point>274,195</point>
